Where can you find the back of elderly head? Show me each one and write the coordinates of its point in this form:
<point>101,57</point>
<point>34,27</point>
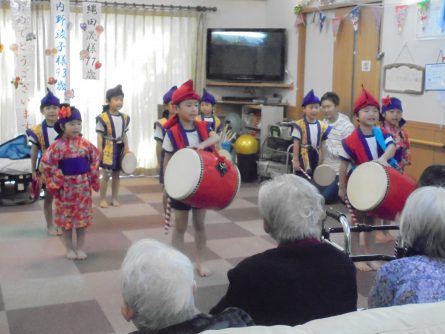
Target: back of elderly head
<point>291,207</point>
<point>433,175</point>
<point>157,286</point>
<point>422,223</point>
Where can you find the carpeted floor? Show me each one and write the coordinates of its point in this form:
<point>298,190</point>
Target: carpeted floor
<point>42,292</point>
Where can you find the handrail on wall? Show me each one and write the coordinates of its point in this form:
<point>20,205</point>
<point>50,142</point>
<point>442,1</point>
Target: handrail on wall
<point>427,143</point>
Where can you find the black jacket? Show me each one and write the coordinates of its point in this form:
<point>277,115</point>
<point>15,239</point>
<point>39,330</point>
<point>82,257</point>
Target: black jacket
<point>292,284</point>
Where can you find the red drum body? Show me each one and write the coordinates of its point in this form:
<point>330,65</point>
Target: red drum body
<point>379,190</point>
<point>201,179</point>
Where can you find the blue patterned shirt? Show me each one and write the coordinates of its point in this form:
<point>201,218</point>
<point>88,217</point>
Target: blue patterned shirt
<point>410,280</point>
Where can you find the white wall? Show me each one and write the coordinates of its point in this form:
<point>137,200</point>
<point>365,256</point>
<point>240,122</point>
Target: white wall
<point>421,108</point>
<point>319,56</point>
<point>280,14</point>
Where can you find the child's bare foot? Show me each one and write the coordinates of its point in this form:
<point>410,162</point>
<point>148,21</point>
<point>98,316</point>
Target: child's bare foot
<point>115,204</point>
<point>362,266</point>
<point>52,231</point>
<point>71,255</point>
<point>81,255</point>
<point>202,271</point>
<point>381,237</point>
<point>103,204</point>
<point>375,265</point>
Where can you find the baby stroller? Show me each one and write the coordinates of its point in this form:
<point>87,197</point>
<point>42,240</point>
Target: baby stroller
<point>276,151</point>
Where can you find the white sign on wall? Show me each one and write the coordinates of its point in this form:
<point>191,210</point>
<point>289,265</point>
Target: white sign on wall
<point>435,76</point>
<point>403,78</point>
<point>366,66</point>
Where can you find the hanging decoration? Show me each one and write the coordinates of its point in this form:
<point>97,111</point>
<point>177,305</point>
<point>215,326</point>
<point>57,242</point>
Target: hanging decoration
<point>84,54</point>
<point>336,22</point>
<point>423,8</point>
<point>298,11</point>
<point>99,29</point>
<point>16,82</point>
<point>354,16</point>
<point>23,50</point>
<point>52,81</point>
<point>322,17</point>
<point>91,63</point>
<point>14,47</point>
<point>69,94</point>
<point>60,14</point>
<point>377,15</point>
<point>401,13</point>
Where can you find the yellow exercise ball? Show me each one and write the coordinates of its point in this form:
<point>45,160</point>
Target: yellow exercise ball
<point>246,144</point>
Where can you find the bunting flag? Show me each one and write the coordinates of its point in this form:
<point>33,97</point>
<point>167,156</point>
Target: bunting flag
<point>423,8</point>
<point>300,19</point>
<point>23,50</point>
<point>377,14</point>
<point>336,21</point>
<point>401,13</point>
<point>354,16</point>
<point>322,17</point>
<point>91,50</point>
<point>60,15</point>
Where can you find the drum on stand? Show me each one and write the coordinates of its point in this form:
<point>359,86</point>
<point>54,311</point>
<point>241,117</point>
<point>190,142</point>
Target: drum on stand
<point>379,190</point>
<point>324,175</point>
<point>201,179</point>
<point>128,163</point>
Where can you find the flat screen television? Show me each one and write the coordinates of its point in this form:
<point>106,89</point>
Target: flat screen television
<point>252,55</point>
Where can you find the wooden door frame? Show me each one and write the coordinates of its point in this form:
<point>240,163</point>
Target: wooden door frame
<point>301,54</point>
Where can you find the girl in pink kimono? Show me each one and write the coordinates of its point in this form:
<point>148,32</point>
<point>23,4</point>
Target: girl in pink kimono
<point>71,167</point>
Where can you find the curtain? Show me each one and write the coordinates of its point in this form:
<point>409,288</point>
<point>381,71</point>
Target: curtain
<point>145,51</point>
<point>7,110</point>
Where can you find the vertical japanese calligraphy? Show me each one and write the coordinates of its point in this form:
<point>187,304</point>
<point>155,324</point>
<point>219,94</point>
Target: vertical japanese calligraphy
<point>91,49</point>
<point>24,59</point>
<point>60,13</point>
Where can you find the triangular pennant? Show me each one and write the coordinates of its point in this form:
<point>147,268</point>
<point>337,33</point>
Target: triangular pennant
<point>401,13</point>
<point>322,19</point>
<point>354,16</point>
<point>336,21</point>
<point>377,14</point>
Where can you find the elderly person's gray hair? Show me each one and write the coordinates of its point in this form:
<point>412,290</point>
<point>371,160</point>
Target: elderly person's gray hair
<point>291,207</point>
<point>157,283</point>
<point>422,223</point>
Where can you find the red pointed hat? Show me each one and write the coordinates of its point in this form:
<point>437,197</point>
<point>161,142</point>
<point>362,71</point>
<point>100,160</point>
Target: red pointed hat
<point>185,92</point>
<point>365,100</point>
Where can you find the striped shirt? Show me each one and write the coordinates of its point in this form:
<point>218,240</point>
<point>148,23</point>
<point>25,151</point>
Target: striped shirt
<point>341,129</point>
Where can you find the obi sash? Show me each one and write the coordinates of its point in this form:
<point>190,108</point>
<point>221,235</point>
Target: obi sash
<point>74,166</point>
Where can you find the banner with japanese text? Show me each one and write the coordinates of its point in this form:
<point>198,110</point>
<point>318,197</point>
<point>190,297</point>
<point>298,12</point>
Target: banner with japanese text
<point>91,30</point>
<point>23,49</point>
<point>60,16</point>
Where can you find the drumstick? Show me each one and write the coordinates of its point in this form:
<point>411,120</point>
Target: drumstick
<point>305,174</point>
<point>351,211</point>
<point>167,216</point>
